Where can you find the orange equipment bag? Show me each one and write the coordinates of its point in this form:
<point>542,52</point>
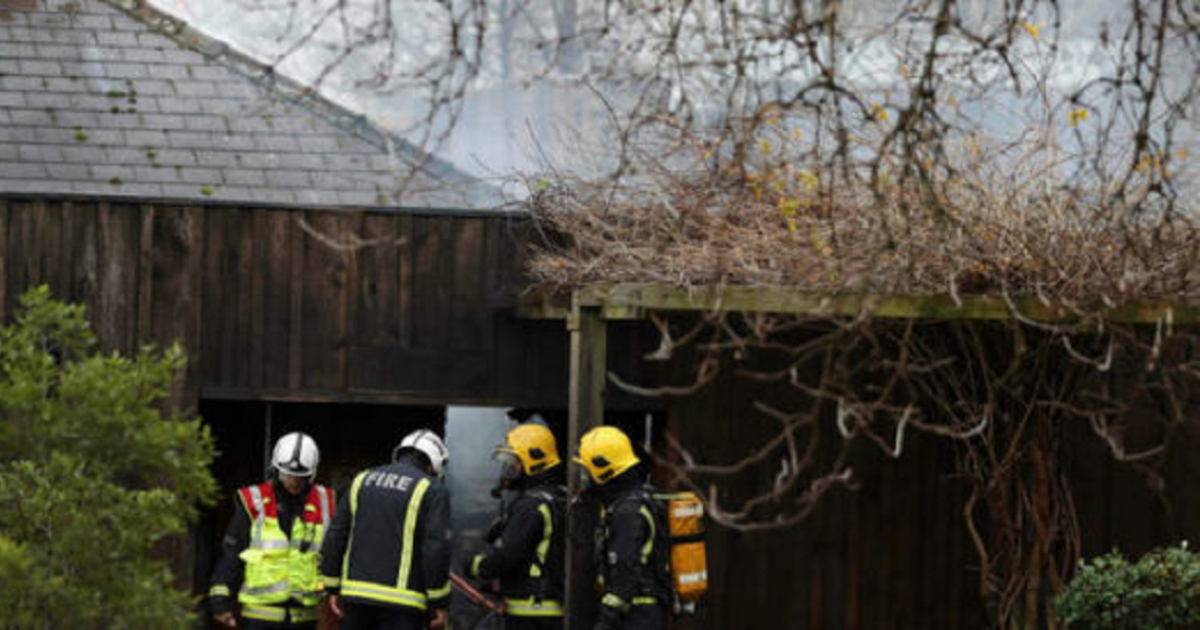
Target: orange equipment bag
<point>685,524</point>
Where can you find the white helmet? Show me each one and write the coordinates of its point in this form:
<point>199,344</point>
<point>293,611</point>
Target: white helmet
<point>296,454</point>
<point>428,444</point>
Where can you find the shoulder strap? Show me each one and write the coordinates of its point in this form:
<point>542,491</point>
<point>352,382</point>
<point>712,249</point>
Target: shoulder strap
<point>321,498</point>
<point>640,494</point>
<point>258,500</point>
<point>548,496</point>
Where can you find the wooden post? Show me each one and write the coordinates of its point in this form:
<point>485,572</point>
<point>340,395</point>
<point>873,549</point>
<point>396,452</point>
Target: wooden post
<point>589,368</point>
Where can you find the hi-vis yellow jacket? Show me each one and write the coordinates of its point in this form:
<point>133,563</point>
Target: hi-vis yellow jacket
<point>279,568</point>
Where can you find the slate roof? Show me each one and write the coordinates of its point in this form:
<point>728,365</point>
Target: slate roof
<point>118,99</point>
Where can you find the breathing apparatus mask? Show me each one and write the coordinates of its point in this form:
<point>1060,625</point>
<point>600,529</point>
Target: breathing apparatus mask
<point>509,471</point>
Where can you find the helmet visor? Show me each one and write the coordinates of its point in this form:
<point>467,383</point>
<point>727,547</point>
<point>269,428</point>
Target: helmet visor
<point>510,467</point>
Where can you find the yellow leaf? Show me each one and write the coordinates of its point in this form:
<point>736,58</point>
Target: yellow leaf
<point>808,179</point>
<point>878,112</point>
<point>1031,29</point>
<point>765,145</point>
<point>1076,116</point>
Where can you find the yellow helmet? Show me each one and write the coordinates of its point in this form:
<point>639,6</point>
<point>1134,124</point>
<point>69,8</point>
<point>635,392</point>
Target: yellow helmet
<point>605,452</point>
<point>534,445</point>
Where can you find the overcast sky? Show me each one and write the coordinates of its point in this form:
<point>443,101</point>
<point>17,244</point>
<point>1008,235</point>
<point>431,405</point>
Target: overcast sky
<point>510,123</point>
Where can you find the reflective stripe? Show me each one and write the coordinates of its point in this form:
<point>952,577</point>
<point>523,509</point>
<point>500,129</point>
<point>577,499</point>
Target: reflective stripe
<point>353,512</point>
<point>325,501</point>
<point>354,491</point>
<point>530,608</point>
<point>648,546</point>
<point>326,504</point>
<point>272,589</point>
<point>280,614</point>
<point>331,581</point>
<point>410,528</point>
<point>219,590</point>
<point>612,601</point>
<point>380,593</point>
<point>302,594</point>
<point>543,546</point>
<point>476,561</point>
<point>438,593</point>
<point>260,519</point>
<point>265,613</point>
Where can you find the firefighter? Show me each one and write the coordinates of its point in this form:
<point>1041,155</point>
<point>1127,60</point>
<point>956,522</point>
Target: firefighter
<point>526,546</point>
<point>270,550</point>
<point>386,560</point>
<point>632,542</point>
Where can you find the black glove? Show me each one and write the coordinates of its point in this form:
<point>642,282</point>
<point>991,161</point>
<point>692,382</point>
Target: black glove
<point>610,619</point>
<point>220,604</point>
<point>495,530</point>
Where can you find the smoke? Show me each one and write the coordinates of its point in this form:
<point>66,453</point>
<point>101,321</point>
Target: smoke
<point>472,433</point>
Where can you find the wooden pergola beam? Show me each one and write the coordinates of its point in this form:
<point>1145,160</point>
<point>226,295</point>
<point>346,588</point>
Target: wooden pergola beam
<point>589,370</point>
<point>633,300</point>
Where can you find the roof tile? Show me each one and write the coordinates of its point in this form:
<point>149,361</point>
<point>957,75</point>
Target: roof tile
<point>20,185</point>
<point>103,102</point>
<point>35,152</point>
<point>26,170</point>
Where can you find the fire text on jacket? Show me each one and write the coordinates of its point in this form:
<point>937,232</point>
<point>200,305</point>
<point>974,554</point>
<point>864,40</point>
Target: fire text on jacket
<point>391,481</point>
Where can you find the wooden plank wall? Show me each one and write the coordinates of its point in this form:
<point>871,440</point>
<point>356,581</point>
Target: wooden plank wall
<point>298,305</point>
<point>895,554</point>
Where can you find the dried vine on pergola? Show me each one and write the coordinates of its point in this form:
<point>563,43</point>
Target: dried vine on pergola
<point>909,202</point>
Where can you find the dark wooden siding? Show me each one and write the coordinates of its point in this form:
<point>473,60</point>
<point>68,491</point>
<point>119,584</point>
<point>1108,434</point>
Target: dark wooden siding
<point>895,554</point>
<point>279,304</point>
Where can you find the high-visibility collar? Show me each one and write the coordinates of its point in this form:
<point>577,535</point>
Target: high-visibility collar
<point>262,505</point>
<point>260,499</point>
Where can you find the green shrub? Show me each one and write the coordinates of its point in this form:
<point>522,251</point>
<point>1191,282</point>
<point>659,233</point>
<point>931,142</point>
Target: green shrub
<point>96,470</point>
<point>1159,592</point>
